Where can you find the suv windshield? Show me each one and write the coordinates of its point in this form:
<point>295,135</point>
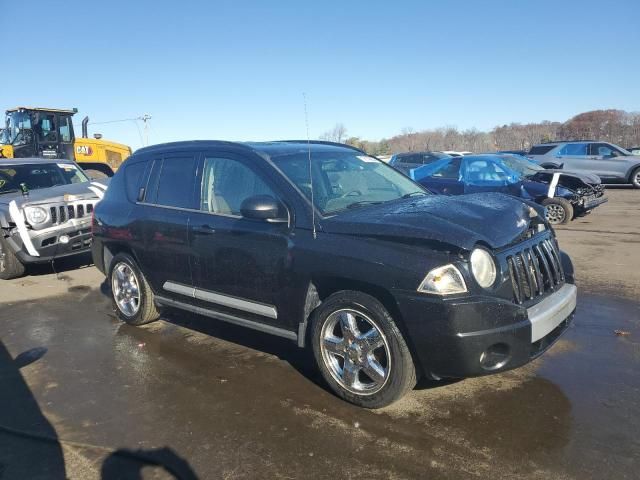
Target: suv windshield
<point>344,180</point>
<point>35,176</point>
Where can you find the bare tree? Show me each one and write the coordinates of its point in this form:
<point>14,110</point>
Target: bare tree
<point>337,134</point>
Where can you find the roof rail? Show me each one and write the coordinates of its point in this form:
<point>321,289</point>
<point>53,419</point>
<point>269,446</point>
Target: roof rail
<point>324,142</point>
<point>569,141</point>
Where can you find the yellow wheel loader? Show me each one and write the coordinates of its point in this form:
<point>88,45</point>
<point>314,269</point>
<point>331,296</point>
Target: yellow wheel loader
<point>48,133</point>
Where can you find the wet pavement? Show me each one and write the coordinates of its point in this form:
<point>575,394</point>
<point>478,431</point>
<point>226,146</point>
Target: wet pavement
<point>85,396</point>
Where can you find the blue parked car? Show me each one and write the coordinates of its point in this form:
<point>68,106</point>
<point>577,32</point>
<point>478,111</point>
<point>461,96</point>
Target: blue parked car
<point>566,195</point>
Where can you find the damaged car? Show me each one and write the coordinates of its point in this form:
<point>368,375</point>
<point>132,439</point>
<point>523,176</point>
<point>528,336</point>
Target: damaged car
<point>565,195</point>
<point>45,212</point>
<point>326,246</point>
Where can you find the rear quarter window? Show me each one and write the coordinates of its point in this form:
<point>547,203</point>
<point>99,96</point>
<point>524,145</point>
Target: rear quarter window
<point>133,178</point>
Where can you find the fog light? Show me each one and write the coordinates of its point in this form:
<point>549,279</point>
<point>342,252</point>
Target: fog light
<point>64,239</point>
<point>495,357</point>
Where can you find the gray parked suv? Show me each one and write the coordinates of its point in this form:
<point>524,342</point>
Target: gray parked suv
<point>611,163</point>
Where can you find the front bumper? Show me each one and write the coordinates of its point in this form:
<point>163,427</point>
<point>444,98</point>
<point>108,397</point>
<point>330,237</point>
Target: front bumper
<point>48,245</point>
<point>475,336</point>
<point>590,204</point>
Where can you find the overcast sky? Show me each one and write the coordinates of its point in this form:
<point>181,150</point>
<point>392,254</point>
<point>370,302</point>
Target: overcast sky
<point>236,70</point>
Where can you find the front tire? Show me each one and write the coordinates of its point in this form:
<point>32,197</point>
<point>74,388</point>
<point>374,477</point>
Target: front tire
<point>558,211</point>
<point>635,178</point>
<point>10,266</point>
<point>360,351</point>
<point>132,296</point>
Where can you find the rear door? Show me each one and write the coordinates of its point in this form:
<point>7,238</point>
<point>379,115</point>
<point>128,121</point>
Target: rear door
<point>575,157</point>
<point>241,266</point>
<point>167,201</point>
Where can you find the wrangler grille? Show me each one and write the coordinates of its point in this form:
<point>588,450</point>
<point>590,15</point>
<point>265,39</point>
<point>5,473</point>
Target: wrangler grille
<point>535,270</point>
<point>63,213</point>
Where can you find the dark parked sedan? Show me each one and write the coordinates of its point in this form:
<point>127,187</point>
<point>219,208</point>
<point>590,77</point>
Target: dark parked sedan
<point>566,195</point>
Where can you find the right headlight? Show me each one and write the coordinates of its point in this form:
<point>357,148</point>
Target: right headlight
<point>483,267</point>
<point>445,280</point>
<point>35,215</point>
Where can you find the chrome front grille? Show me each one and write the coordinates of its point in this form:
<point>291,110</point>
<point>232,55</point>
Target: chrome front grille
<point>63,213</point>
<point>535,270</point>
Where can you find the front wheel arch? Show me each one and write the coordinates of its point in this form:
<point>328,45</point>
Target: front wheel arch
<point>321,288</point>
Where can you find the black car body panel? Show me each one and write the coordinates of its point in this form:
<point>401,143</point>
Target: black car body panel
<point>271,275</point>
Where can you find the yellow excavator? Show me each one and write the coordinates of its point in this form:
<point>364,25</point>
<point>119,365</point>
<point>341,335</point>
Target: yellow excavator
<point>48,133</point>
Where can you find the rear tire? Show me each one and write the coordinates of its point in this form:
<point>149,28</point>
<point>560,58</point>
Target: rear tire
<point>635,178</point>
<point>10,266</point>
<point>558,211</point>
<point>360,351</point>
<point>133,299</point>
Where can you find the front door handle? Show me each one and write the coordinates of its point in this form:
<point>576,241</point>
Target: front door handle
<point>204,230</point>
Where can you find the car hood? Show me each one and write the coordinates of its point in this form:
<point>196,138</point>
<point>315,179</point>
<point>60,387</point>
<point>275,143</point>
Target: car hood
<point>589,178</point>
<point>494,219</point>
<point>80,191</point>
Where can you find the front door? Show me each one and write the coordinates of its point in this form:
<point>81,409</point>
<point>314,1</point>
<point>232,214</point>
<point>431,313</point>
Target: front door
<point>241,266</point>
<point>607,162</point>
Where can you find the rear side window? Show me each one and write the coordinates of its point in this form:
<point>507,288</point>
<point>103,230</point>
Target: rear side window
<point>541,149</point>
<point>175,180</point>
<point>132,178</point>
<point>574,149</point>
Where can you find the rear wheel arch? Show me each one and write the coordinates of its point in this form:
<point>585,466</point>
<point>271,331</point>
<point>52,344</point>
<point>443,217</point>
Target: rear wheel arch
<point>114,249</point>
<point>633,173</point>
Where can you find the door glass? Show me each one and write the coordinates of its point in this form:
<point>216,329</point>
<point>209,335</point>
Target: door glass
<point>226,183</point>
<point>176,181</point>
<point>603,150</point>
<point>451,170</point>
<point>65,129</point>
<point>574,150</point>
<point>46,128</point>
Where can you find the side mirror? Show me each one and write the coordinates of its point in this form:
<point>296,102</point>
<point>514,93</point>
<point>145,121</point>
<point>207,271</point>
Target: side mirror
<point>260,207</point>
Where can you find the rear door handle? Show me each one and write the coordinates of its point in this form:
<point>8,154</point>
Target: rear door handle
<point>204,230</point>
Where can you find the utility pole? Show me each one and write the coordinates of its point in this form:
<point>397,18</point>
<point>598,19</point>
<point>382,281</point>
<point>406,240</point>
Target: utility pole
<point>145,118</point>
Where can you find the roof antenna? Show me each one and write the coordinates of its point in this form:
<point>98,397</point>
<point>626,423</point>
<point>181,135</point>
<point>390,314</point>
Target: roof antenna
<point>313,205</point>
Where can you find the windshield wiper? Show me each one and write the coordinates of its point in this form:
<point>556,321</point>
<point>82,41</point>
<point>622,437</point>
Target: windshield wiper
<point>414,194</point>
<point>363,203</point>
<point>2,192</point>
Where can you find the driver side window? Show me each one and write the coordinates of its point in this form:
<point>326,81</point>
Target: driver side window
<point>226,183</point>
<point>602,150</point>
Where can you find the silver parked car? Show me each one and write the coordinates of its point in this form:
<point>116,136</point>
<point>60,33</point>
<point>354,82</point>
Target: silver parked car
<point>613,164</point>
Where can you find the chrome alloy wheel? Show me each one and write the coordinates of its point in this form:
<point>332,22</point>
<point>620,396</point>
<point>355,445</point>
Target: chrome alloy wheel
<point>555,213</point>
<point>126,289</point>
<point>636,178</point>
<point>355,351</point>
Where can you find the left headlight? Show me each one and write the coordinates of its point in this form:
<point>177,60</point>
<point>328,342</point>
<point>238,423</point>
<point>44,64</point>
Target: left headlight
<point>483,267</point>
<point>35,215</point>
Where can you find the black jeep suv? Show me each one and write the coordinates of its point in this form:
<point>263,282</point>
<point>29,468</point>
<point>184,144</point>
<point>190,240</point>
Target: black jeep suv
<point>333,249</point>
